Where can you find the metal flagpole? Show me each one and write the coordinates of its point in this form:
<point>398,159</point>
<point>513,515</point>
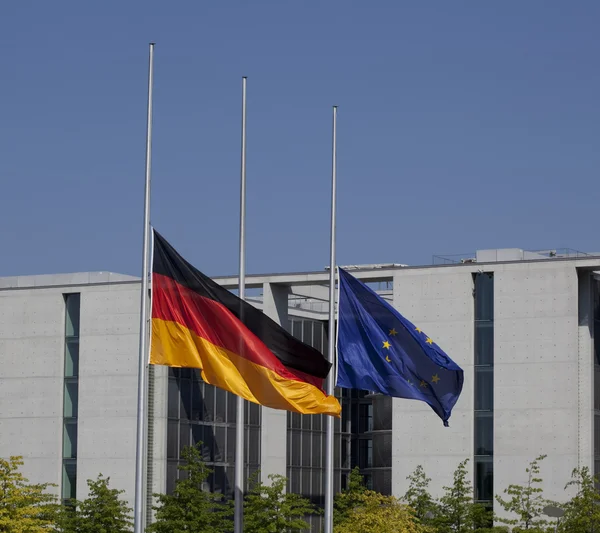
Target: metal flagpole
<point>239,421</point>
<point>138,513</point>
<point>330,377</point>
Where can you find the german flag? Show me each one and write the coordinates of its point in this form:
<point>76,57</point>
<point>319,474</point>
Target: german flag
<point>196,323</point>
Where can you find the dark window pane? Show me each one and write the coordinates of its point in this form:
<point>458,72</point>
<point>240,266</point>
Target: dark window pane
<point>171,476</point>
<point>306,421</point>
<point>297,329</point>
<point>307,332</point>
<point>172,440</point>
<point>305,482</point>
<point>365,418</point>
<point>484,296</point>
<point>296,447</point>
<point>72,358</point>
<point>69,481</point>
<point>230,457</point>
<point>197,436</point>
<point>295,481</point>
<point>484,343</point>
<point>597,435</point>
<point>296,421</point>
<point>484,433</point>
<point>219,447</point>
<point>317,452</point>
<point>186,399</point>
<point>317,422</point>
<point>382,413</point>
<point>184,435</point>
<point>209,402</point>
<point>484,388</point>
<point>229,482</point>
<point>317,483</point>
<point>484,478</point>
<point>253,449</point>
<point>254,414</point>
<point>72,316</point>
<point>197,399</point>
<point>382,481</point>
<point>219,479</point>
<point>306,454</point>
<point>173,402</point>
<point>220,405</point>
<point>70,401</point>
<point>70,440</point>
<point>231,408</point>
<point>337,448</point>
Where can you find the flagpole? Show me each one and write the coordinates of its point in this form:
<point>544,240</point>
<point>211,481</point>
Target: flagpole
<point>330,377</point>
<point>138,513</point>
<point>239,421</point>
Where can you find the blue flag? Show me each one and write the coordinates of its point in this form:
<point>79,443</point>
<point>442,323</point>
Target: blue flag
<point>379,350</point>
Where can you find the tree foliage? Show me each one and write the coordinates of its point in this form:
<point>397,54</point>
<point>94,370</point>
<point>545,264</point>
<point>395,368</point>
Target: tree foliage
<point>24,507</point>
<point>582,512</point>
<point>376,513</point>
<point>268,508</point>
<point>103,511</point>
<point>458,513</point>
<point>190,508</point>
<point>525,502</point>
<point>418,498</point>
<point>349,498</point>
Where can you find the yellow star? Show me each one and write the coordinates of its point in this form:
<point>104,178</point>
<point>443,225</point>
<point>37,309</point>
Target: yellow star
<point>386,344</point>
<point>393,332</point>
<point>423,384</point>
<point>418,330</point>
<point>428,341</point>
<point>387,358</point>
<point>435,378</point>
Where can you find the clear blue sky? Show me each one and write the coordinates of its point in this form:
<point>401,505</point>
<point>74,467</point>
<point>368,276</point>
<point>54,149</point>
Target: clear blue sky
<point>462,125</point>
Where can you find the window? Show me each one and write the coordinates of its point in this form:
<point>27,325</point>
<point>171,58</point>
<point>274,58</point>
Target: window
<point>484,387</point>
<point>70,395</point>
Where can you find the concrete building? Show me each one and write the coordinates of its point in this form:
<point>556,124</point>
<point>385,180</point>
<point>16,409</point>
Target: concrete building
<point>521,325</point>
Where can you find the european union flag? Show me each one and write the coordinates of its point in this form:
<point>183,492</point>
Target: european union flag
<point>379,350</point>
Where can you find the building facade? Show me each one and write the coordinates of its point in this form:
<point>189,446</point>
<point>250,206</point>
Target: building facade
<point>521,325</point>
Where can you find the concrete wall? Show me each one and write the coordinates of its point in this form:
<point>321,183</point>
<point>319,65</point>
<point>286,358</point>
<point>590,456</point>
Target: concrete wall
<point>536,376</point>
<point>441,303</point>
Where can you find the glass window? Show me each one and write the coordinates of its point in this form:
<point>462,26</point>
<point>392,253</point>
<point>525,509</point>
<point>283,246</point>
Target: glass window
<point>317,483</point>
<point>230,457</point>
<point>365,418</point>
<point>365,455</point>
<point>185,387</point>
<point>69,481</point>
<point>72,357</point>
<point>297,329</point>
<point>296,420</point>
<point>219,446</point>
<point>220,405</point>
<point>317,451</point>
<point>209,402</point>
<point>306,421</point>
<point>72,302</point>
<point>197,436</point>
<point>173,403</point>
<point>184,435</point>
<point>306,452</point>
<point>484,388</point>
<point>305,473</point>
<point>484,296</point>
<point>70,440</point>
<point>337,448</point>
<point>307,332</point>
<point>295,481</point>
<point>484,343</point>
<point>253,448</point>
<point>173,440</point>
<point>296,447</point>
<point>317,422</point>
<point>484,433</point>
<point>70,401</point>
<point>484,478</point>
<point>232,408</point>
<point>254,414</point>
<point>171,476</point>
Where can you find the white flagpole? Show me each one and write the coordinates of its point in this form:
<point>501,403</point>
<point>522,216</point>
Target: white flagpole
<point>239,421</point>
<point>138,512</point>
<point>330,377</point>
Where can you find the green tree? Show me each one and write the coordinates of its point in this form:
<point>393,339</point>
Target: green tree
<point>24,507</point>
<point>268,508</point>
<point>582,512</point>
<point>525,502</point>
<point>190,508</point>
<point>418,498</point>
<point>376,513</point>
<point>458,513</point>
<point>349,498</point>
<point>103,511</point>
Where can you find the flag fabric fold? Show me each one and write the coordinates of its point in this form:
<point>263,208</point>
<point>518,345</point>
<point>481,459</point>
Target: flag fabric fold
<point>196,323</point>
<point>379,350</point>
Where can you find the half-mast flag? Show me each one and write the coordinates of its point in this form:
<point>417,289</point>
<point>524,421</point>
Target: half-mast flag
<point>379,350</point>
<point>196,323</point>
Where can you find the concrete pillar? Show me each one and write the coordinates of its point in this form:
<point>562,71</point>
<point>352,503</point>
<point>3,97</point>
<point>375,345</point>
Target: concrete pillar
<point>273,435</point>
